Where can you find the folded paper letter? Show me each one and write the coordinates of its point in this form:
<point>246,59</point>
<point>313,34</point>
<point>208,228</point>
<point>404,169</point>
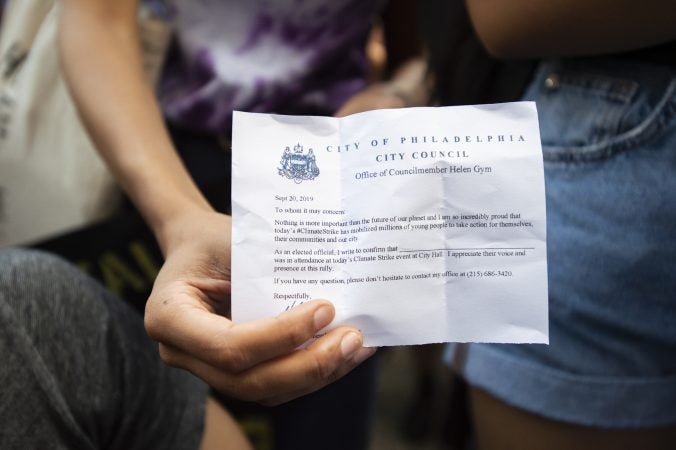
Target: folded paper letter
<point>420,225</point>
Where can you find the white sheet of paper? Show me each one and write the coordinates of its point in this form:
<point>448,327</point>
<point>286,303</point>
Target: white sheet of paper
<point>420,225</point>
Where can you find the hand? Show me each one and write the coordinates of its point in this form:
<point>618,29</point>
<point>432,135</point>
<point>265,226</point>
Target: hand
<point>376,96</point>
<point>256,361</point>
<point>409,86</point>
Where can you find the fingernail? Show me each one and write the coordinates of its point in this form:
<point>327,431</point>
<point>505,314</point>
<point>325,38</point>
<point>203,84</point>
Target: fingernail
<point>323,317</point>
<point>364,354</point>
<point>350,344</point>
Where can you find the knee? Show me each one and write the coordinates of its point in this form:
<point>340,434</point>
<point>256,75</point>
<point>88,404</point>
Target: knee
<point>23,270</point>
<point>27,276</point>
<point>37,283</point>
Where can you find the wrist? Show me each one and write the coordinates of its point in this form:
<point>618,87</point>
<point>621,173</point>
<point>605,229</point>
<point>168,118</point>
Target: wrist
<point>411,83</point>
<point>164,193</point>
<point>406,97</point>
<point>172,228</point>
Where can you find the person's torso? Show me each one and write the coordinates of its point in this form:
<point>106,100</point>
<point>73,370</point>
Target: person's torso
<point>283,56</point>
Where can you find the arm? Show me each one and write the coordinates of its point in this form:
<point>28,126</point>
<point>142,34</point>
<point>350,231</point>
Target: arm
<point>407,87</point>
<point>98,42</point>
<point>537,28</point>
<point>409,83</point>
<point>102,63</point>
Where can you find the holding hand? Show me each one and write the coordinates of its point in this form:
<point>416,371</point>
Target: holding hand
<point>408,87</point>
<point>376,96</point>
<point>258,361</point>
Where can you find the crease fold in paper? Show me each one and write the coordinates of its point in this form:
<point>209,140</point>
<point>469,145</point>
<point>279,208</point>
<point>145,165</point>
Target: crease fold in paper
<point>420,225</point>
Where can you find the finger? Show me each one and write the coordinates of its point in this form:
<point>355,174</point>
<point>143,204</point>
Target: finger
<point>344,111</point>
<point>362,355</point>
<point>237,347</point>
<point>309,369</point>
<point>300,372</point>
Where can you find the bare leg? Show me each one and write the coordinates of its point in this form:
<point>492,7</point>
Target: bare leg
<point>221,431</point>
<point>502,427</point>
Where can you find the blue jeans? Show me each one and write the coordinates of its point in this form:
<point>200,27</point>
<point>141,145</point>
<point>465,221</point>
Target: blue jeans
<point>608,130</point>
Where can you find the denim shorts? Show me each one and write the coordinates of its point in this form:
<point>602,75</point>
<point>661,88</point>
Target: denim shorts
<point>608,131</point>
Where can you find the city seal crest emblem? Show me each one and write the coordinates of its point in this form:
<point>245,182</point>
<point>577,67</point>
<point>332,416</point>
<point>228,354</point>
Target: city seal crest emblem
<point>297,165</point>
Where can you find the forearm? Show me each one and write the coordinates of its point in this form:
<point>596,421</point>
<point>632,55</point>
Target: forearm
<point>102,62</point>
<point>538,28</point>
<point>411,82</point>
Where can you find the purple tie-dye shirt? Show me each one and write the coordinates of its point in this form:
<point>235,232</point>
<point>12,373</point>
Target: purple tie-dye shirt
<point>284,56</point>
